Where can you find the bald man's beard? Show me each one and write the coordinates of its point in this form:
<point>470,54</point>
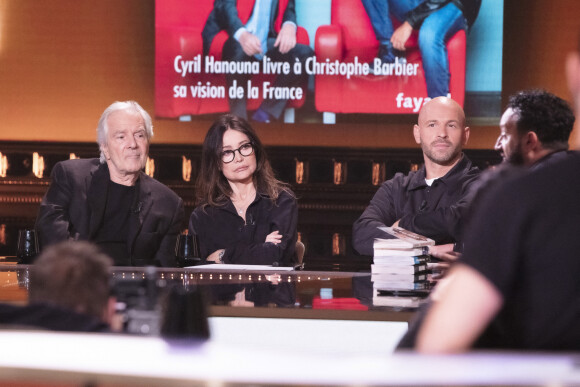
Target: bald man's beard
<point>448,157</point>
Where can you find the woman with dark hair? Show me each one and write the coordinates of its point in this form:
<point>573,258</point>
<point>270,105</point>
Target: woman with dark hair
<point>244,215</point>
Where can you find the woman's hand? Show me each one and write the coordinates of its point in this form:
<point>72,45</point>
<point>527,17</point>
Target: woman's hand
<point>215,256</point>
<point>274,237</point>
<point>240,299</point>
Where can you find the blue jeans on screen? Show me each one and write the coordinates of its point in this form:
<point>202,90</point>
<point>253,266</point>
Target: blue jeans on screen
<point>436,29</point>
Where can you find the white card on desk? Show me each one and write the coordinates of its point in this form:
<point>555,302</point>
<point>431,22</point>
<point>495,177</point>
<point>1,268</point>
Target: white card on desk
<point>227,266</point>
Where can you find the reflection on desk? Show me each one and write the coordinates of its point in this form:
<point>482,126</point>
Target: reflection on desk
<point>285,294</point>
<point>264,309</point>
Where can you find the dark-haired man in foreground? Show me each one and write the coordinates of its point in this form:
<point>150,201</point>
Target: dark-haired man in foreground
<point>516,285</point>
<point>534,132</point>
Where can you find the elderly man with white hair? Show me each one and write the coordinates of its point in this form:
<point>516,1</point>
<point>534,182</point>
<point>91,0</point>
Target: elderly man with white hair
<point>110,201</point>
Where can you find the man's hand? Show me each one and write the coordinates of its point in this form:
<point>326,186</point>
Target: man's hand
<point>444,252</point>
<point>250,43</point>
<point>286,39</point>
<point>401,35</point>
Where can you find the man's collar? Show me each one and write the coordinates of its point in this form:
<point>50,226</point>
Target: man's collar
<point>550,157</point>
<point>418,178</point>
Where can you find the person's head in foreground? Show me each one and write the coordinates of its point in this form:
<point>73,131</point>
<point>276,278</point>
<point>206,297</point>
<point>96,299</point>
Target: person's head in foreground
<point>73,275</point>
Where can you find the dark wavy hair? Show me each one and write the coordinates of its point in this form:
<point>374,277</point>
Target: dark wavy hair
<point>549,116</point>
<point>212,188</point>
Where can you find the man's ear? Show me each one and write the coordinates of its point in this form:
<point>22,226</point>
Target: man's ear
<point>531,139</point>
<point>417,134</point>
<point>466,132</point>
<point>530,143</point>
<point>105,151</point>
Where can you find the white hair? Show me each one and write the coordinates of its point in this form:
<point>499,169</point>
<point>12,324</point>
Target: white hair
<point>103,127</point>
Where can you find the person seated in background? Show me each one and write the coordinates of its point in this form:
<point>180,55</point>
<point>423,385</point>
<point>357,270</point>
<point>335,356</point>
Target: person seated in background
<point>534,132</point>
<point>252,41</point>
<point>516,286</point>
<point>534,129</point>
<point>110,201</point>
<point>244,215</point>
<point>69,291</point>
<point>436,21</point>
<point>430,202</point>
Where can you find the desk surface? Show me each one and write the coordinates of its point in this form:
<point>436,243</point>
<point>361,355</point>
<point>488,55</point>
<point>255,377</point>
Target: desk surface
<point>82,359</point>
<point>73,359</point>
<point>251,293</point>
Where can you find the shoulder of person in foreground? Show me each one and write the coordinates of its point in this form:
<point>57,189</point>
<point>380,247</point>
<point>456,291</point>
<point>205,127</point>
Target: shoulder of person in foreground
<point>49,317</point>
<point>477,285</point>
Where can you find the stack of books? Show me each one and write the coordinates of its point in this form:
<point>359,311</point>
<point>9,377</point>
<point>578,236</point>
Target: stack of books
<point>400,268</point>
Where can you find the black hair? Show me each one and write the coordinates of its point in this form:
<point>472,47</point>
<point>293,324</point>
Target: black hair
<point>545,114</point>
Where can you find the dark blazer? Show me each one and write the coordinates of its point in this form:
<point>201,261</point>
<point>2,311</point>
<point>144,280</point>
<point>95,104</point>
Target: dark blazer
<point>224,16</point>
<point>74,205</point>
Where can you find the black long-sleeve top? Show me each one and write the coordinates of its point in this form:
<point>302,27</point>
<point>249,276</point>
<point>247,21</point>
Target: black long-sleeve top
<point>244,242</point>
<point>435,211</point>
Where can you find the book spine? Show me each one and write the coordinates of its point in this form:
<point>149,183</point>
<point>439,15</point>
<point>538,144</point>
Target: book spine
<point>386,278</point>
<point>407,269</point>
<point>386,251</point>
<point>398,261</point>
<point>389,287</point>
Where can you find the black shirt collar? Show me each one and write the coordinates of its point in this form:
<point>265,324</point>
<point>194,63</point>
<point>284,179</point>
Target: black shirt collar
<point>458,170</point>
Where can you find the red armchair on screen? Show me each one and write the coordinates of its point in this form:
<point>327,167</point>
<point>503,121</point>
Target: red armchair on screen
<point>178,27</point>
<point>351,35</point>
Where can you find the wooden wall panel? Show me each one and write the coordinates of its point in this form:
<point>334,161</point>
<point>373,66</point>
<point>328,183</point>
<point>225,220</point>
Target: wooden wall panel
<point>63,61</point>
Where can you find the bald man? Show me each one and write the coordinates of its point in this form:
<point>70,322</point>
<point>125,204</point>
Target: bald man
<point>432,200</point>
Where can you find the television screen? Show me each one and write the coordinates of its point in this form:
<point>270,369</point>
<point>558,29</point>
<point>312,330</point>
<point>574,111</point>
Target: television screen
<point>319,61</point>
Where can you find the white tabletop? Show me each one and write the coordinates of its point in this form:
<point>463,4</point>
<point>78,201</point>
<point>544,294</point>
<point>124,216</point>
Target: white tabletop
<point>83,358</point>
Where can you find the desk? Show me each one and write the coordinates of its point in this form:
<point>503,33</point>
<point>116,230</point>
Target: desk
<point>268,294</point>
<point>82,359</point>
<point>278,354</point>
<point>289,309</point>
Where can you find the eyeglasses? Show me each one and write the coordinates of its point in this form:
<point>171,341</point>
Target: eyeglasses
<point>245,150</point>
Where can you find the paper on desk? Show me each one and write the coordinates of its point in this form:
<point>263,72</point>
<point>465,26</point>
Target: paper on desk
<point>227,266</point>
